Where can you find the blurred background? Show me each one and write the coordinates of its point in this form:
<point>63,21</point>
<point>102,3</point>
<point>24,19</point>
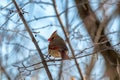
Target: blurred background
<point>90,28</point>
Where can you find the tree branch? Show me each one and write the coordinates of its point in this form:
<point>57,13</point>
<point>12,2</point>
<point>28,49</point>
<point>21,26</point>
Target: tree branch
<point>62,26</point>
<point>34,40</point>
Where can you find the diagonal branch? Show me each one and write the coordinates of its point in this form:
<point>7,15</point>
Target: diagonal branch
<point>34,40</point>
<point>70,46</point>
<point>96,30</point>
<point>4,71</point>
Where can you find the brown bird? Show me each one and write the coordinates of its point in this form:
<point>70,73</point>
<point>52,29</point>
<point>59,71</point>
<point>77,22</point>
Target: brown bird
<point>57,47</point>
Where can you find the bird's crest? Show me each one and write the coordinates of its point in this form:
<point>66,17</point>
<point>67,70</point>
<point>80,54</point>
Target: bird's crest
<point>55,32</point>
<point>53,35</point>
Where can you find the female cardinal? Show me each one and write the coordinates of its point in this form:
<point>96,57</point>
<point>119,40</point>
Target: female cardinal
<point>57,47</point>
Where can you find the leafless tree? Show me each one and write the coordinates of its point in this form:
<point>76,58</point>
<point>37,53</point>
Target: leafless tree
<point>86,26</point>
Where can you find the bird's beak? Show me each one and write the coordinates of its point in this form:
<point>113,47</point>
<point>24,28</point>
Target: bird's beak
<point>49,39</point>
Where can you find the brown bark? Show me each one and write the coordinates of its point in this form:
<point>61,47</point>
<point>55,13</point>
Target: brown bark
<point>88,16</point>
<point>34,40</point>
<point>96,29</point>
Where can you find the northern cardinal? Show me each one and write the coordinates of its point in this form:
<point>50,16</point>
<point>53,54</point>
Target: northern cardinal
<point>57,47</point>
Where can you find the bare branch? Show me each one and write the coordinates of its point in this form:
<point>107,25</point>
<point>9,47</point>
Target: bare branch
<point>33,39</point>
<point>62,26</point>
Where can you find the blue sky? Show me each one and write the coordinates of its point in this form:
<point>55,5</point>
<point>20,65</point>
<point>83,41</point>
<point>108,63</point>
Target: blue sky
<point>43,28</point>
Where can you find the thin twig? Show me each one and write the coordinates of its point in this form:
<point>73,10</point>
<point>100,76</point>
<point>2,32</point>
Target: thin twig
<point>34,40</point>
<point>59,19</point>
<point>60,71</point>
<point>6,74</point>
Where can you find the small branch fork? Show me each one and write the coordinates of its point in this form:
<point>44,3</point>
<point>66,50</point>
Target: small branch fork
<point>34,40</point>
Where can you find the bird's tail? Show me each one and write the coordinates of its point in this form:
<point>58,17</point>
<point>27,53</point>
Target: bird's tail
<point>64,55</point>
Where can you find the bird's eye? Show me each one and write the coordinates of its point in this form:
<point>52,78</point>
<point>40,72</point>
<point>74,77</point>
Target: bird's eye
<point>52,38</point>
